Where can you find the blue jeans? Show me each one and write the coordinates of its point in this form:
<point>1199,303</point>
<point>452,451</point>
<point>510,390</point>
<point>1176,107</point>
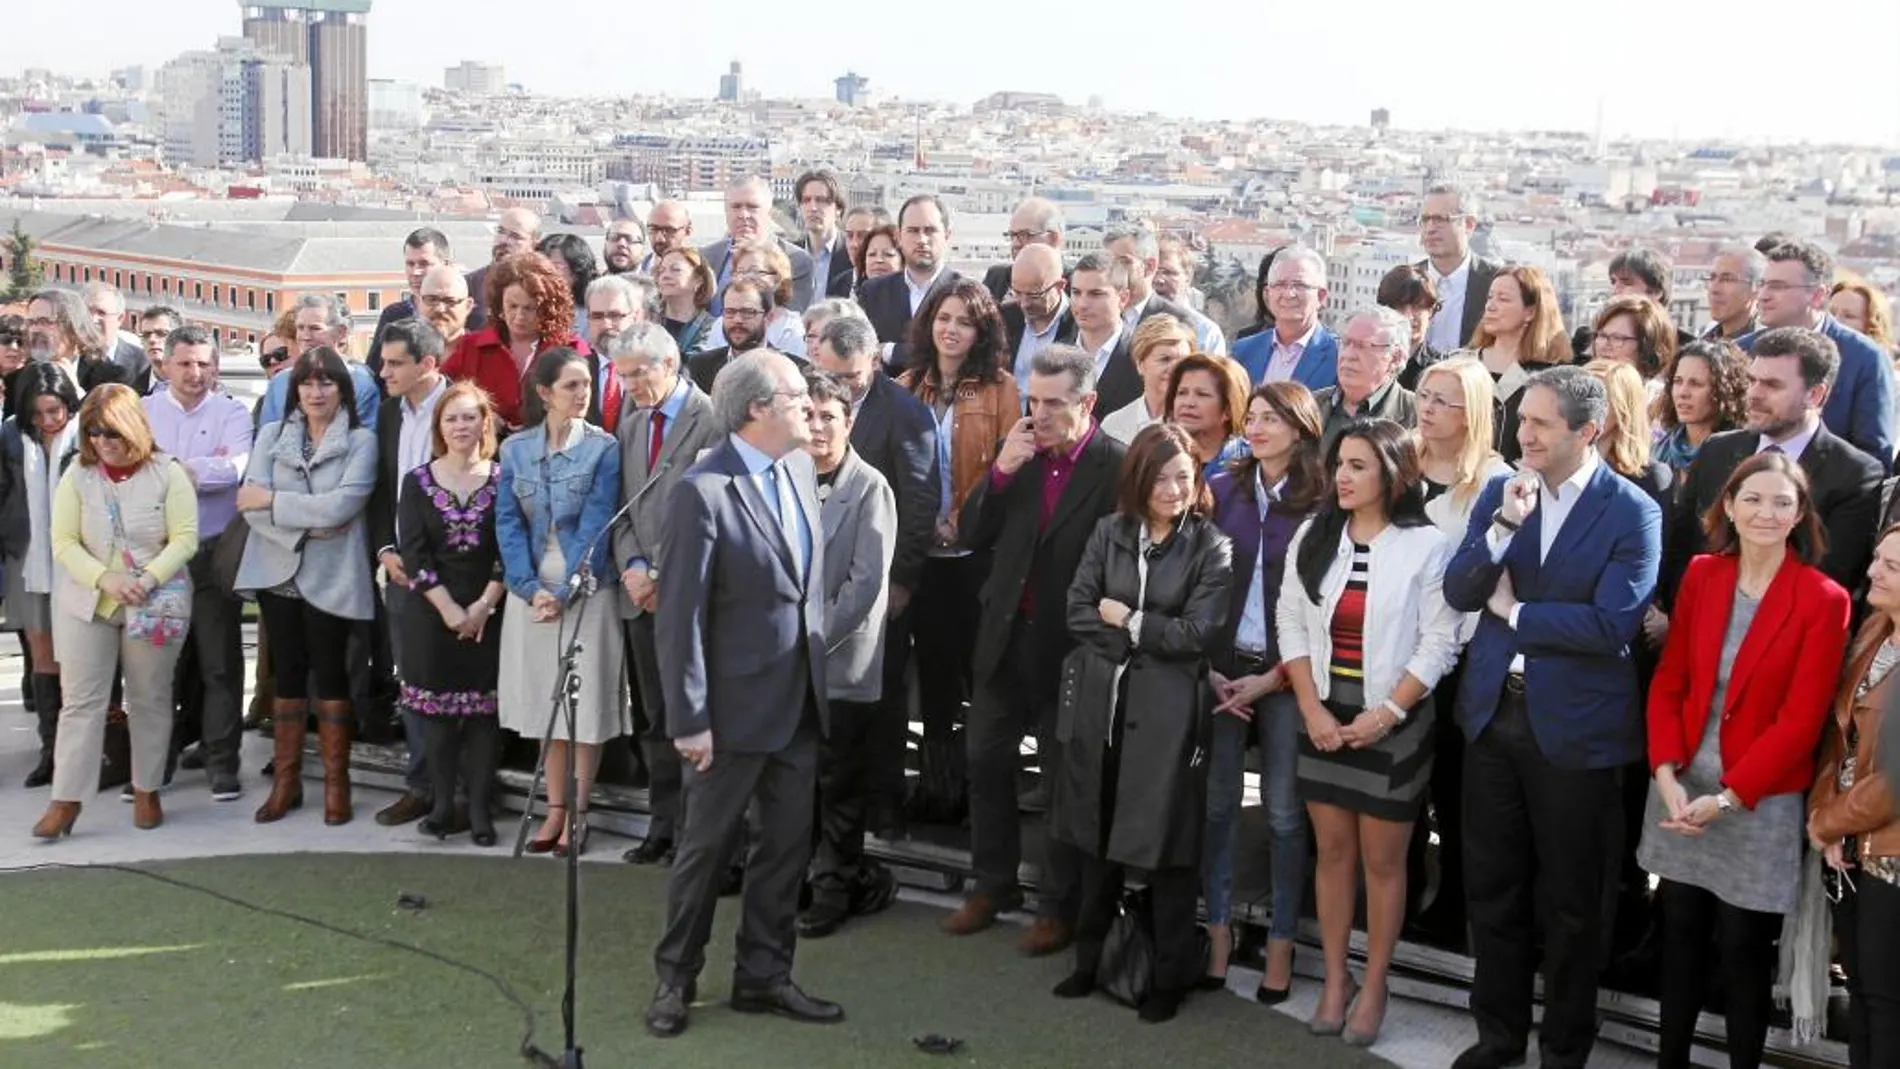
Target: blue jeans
<point>1276,724</point>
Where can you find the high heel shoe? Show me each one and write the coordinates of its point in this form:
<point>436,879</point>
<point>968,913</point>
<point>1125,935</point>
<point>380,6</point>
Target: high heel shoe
<point>580,837</point>
<point>1355,1038</point>
<point>1332,1028</point>
<point>1273,996</point>
<point>57,821</point>
<point>547,845</point>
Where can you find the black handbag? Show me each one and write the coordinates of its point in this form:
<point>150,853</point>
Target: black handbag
<point>1126,972</point>
<point>228,554</point>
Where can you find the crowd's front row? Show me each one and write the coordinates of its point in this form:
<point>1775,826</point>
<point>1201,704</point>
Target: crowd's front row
<point>1324,596</point>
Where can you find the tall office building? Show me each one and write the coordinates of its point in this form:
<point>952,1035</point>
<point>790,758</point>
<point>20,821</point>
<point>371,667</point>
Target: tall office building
<point>331,38</point>
<point>732,83</point>
<point>479,79</point>
<point>852,90</point>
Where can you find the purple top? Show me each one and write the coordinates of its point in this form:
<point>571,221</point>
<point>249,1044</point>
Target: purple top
<point>213,442</point>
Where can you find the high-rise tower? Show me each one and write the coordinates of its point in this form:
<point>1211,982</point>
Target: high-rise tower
<point>331,37</point>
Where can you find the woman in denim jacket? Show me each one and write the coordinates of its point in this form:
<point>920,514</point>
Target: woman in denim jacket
<point>560,486</point>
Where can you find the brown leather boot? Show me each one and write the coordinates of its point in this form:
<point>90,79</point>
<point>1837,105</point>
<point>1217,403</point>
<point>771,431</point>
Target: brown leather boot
<point>977,912</point>
<point>146,812</point>
<point>1047,936</point>
<point>287,734</point>
<point>334,725</point>
<point>58,820</point>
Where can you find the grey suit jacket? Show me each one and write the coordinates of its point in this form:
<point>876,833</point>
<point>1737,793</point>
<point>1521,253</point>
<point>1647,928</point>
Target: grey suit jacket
<point>741,637</point>
<point>644,530</point>
<point>715,256</point>
<point>860,520</point>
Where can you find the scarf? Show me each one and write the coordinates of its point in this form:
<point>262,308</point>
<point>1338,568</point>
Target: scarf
<point>41,478</point>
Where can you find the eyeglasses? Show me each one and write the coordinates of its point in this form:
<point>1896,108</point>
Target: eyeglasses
<point>623,239</point>
<point>1432,401</point>
<point>441,302</point>
<point>108,433</point>
<point>1024,236</point>
<point>1617,339</point>
<point>1438,220</point>
<point>1293,289</point>
<point>743,314</point>
<point>1030,295</point>
<point>1726,279</point>
<point>656,230</point>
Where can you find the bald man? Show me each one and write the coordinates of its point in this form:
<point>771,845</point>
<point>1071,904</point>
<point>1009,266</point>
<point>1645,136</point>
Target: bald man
<point>1036,221</point>
<point>516,232</point>
<point>1037,315</point>
<point>749,218</point>
<point>669,227</point>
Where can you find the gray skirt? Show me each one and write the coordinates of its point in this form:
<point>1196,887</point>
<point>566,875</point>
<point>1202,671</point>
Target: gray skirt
<point>1385,781</point>
<point>22,611</point>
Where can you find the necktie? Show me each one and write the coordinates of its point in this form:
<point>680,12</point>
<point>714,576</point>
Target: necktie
<point>778,485</point>
<point>659,438</point>
<point>610,402</point>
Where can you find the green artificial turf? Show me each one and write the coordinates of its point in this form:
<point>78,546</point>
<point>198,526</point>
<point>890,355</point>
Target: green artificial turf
<point>106,969</point>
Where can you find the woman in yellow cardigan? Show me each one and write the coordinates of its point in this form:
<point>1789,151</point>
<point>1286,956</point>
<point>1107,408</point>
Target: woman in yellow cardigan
<point>125,524</point>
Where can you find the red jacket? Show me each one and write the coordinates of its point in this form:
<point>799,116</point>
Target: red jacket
<point>482,357</point>
<point>1780,687</point>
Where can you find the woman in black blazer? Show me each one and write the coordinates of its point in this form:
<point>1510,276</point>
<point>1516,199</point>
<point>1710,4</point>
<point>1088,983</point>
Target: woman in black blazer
<point>1146,607</point>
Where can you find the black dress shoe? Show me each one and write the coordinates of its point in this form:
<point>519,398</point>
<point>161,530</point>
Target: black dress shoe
<point>787,1001</point>
<point>1484,1057</point>
<point>666,1015</point>
<point>42,773</point>
<point>649,852</point>
<point>1078,984</point>
<point>1160,1005</point>
<point>822,919</point>
<point>873,891</point>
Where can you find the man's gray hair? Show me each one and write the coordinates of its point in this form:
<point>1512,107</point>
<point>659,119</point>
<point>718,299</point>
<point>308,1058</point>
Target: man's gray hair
<point>1046,214</point>
<point>335,314</point>
<point>751,181</point>
<point>1299,254</point>
<point>646,294</point>
<point>72,318</point>
<point>1467,200</point>
<point>96,289</point>
<point>646,342</point>
<point>850,337</point>
<point>744,382</point>
<point>1060,359</point>
<point>835,308</point>
<point>1396,328</point>
<point>1147,242</point>
<point>624,287</point>
<point>1118,274</point>
<point>1581,397</point>
<point>1754,264</point>
<point>190,334</point>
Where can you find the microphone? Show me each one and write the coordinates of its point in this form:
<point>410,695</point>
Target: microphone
<point>582,582</point>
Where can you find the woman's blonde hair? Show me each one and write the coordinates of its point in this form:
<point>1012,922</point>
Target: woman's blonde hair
<point>1629,411</point>
<point>1475,390</point>
<point>768,250</point>
<point>491,443</point>
<point>1157,330</point>
<point>116,407</point>
<point>1544,339</point>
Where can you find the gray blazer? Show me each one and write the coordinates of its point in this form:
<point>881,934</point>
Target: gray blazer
<point>860,521</point>
<point>694,431</point>
<point>802,285</point>
<point>740,635</point>
<point>315,530</point>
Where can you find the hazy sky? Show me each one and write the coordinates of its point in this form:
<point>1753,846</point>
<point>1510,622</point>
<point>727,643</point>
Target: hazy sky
<point>1659,68</point>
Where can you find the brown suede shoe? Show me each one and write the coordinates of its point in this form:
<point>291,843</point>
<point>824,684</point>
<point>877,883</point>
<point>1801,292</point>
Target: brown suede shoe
<point>146,812</point>
<point>1045,937</point>
<point>978,912</point>
<point>405,810</point>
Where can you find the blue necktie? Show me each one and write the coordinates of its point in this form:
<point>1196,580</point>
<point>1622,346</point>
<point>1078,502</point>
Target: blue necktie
<point>791,520</point>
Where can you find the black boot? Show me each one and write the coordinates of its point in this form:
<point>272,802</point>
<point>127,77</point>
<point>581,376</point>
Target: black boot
<point>27,686</point>
<point>47,703</point>
<point>442,744</point>
<point>481,752</point>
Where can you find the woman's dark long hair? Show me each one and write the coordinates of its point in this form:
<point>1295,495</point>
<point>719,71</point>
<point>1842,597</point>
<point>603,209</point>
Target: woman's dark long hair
<point>1400,477</point>
<point>323,362</point>
<point>1305,477</point>
<point>546,371</point>
<point>1262,315</point>
<point>573,250</point>
<point>30,383</point>
<point>986,358</point>
<point>1808,539</point>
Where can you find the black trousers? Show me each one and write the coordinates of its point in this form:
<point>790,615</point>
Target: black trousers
<point>887,737</point>
<point>845,785</point>
<point>1446,906</point>
<point>1010,705</point>
<point>311,649</point>
<point>1536,835</point>
<point>947,616</point>
<point>662,760</point>
<point>211,702</point>
<point>468,746</point>
<point>1694,923</point>
<point>1175,894</point>
<point>1867,933</point>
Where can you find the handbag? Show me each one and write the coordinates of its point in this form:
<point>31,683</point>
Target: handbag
<point>228,555</point>
<point>166,614</point>
<point>1126,971</point>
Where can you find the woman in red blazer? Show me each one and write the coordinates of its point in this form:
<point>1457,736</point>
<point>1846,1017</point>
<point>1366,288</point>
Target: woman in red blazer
<point>1735,712</point>
<point>530,310</point>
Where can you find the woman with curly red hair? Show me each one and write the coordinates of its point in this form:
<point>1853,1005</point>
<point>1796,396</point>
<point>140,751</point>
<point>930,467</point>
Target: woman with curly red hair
<point>530,310</point>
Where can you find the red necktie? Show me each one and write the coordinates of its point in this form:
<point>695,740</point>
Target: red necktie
<point>659,436</point>
<point>610,404</point>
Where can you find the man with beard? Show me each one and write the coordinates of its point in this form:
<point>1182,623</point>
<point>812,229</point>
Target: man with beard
<point>517,231</point>
<point>923,234</point>
<point>669,227</point>
<point>1038,316</point>
<point>443,299</point>
<point>819,201</point>
<point>1036,221</point>
<point>614,303</point>
<point>749,218</point>
<point>748,304</point>
<point>424,248</point>
<point>59,332</point>
<point>624,246</point>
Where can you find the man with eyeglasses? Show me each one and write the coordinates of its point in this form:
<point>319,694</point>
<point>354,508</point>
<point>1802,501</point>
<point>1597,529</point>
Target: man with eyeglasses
<point>669,227</point>
<point>1037,314</point>
<point>1036,221</point>
<point>1174,279</point>
<point>748,304</point>
<point>1298,348</point>
<point>444,303</point>
<point>1733,277</point>
<point>424,248</point>
<point>749,218</point>
<point>106,305</point>
<point>923,234</point>
<point>614,303</point>
<point>624,246</point>
<point>1462,280</point>
<point>155,325</point>
<point>1136,247</point>
<point>820,199</point>
<point>1372,349</point>
<point>517,231</point>
<point>1793,293</point>
<point>1639,272</point>
<point>858,224</point>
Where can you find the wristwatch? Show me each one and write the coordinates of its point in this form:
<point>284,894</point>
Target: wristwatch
<point>653,573</point>
<point>1723,802</point>
<point>1497,519</point>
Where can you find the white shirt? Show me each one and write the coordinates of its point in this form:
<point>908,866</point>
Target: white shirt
<point>1795,446</point>
<point>1286,358</point>
<point>1106,350</point>
<point>1556,505</point>
<point>414,439</point>
<point>1449,321</point>
<point>918,293</point>
<point>1128,420</point>
<point>1131,315</point>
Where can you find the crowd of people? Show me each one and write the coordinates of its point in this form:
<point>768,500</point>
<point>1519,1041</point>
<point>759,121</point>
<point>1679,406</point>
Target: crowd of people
<point>1606,615</point>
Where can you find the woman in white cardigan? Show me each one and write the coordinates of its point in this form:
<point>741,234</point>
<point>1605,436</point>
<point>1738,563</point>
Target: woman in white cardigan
<point>1364,635</point>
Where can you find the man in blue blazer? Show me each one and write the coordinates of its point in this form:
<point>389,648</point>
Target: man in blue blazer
<point>1793,293</point>
<point>740,626</point>
<point>1299,347</point>
<point>1561,559</point>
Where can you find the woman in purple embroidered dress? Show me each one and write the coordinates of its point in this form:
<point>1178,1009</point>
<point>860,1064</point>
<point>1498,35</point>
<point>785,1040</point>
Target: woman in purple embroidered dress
<point>451,662</point>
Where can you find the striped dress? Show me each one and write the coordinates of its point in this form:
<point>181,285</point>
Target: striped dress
<point>1386,781</point>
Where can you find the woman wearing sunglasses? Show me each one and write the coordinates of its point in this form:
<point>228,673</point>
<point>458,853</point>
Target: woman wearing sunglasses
<point>125,524</point>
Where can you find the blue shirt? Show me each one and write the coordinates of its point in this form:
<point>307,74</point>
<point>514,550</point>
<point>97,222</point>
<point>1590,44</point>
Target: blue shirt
<point>1033,343</point>
<point>369,396</point>
<point>758,464</point>
<point>1252,633</point>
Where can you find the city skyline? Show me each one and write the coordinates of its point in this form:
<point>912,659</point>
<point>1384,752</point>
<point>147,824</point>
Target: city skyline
<point>1593,67</point>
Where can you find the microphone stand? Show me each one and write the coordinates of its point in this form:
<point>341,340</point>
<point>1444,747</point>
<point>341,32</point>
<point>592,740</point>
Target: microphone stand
<point>566,699</point>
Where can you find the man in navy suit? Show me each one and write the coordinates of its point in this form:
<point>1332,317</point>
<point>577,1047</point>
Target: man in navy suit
<point>820,199</point>
<point>923,234</point>
<point>1298,347</point>
<point>1561,559</point>
<point>1793,293</point>
<point>740,627</point>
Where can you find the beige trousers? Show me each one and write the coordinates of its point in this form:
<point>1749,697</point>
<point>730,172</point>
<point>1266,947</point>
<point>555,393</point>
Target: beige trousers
<point>90,653</point>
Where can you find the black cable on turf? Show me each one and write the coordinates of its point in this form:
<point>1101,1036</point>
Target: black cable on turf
<point>507,990</point>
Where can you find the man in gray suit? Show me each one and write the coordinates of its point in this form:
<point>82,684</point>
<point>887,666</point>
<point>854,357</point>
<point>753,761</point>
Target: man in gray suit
<point>667,424</point>
<point>749,218</point>
<point>858,512</point>
<point>741,630</point>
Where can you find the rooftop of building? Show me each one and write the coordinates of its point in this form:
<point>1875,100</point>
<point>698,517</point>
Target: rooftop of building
<point>285,254</point>
<point>339,7</point>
